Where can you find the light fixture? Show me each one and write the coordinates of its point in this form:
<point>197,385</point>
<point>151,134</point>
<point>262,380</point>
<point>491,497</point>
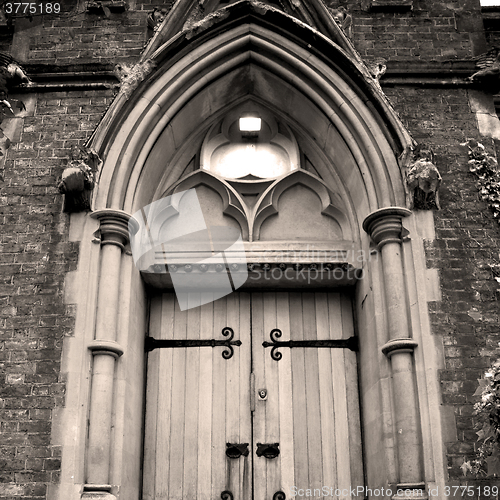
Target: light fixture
<point>250,124</point>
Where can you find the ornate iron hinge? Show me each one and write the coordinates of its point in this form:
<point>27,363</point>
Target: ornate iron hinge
<point>152,343</point>
<point>350,343</point>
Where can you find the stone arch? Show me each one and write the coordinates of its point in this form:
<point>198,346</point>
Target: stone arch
<point>334,112</point>
<point>358,147</point>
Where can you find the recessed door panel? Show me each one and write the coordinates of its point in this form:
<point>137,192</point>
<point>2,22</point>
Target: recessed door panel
<point>197,402</point>
<point>299,415</point>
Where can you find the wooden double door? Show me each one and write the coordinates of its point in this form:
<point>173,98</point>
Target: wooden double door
<point>214,423</point>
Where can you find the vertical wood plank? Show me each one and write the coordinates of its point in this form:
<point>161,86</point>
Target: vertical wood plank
<point>352,396</point>
<point>205,407</point>
<point>314,445</point>
<point>219,482</point>
<point>152,403</point>
<point>245,429</point>
<point>233,395</point>
<point>259,417</point>
<point>178,402</point>
<point>272,403</point>
<point>190,480</point>
<point>164,398</point>
<point>326,393</point>
<point>339,396</point>
<point>285,399</point>
<point>300,423</point>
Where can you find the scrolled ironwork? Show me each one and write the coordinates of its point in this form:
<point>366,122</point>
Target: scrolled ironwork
<point>275,335</point>
<point>351,343</point>
<point>279,495</point>
<point>228,353</point>
<point>226,495</point>
<point>152,343</point>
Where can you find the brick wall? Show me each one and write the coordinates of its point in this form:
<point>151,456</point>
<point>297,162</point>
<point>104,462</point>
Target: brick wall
<point>466,244</point>
<point>431,31</point>
<point>83,37</point>
<point>35,254</point>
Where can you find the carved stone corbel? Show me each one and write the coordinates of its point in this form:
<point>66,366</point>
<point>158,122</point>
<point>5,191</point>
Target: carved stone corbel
<point>78,179</point>
<point>423,182</point>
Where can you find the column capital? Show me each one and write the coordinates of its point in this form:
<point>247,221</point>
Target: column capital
<point>114,226</point>
<point>385,225</point>
<point>399,346</point>
<point>109,347</point>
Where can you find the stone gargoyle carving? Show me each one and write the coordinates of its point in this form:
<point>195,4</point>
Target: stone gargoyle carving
<point>11,76</point>
<point>156,17</point>
<point>423,181</point>
<point>377,69</point>
<point>342,18</point>
<point>78,179</point>
<point>131,76</point>
<point>488,75</point>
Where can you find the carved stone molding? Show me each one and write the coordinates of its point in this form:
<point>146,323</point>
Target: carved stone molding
<point>398,346</point>
<point>251,218</point>
<point>385,225</point>
<point>131,76</point>
<point>388,5</point>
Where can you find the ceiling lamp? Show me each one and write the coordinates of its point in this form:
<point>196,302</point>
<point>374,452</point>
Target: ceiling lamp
<point>251,124</point>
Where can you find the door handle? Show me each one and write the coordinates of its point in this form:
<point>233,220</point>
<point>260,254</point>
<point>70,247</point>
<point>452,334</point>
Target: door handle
<point>235,450</point>
<point>268,450</point>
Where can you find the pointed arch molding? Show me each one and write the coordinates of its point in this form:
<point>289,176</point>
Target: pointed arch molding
<point>323,93</point>
<point>251,218</point>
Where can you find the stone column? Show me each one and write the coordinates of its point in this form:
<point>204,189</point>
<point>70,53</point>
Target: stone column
<point>114,236</point>
<point>385,228</point>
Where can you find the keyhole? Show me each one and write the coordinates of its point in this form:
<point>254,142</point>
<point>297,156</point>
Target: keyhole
<point>262,394</point>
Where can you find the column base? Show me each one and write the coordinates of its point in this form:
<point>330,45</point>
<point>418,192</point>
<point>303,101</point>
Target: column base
<point>97,495</point>
<point>97,492</point>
